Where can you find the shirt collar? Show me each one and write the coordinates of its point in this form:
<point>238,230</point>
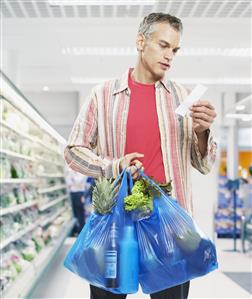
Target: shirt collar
<point>165,82</point>
<point>122,83</point>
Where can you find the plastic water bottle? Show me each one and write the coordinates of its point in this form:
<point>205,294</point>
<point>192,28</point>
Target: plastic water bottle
<point>111,259</point>
<point>129,256</point>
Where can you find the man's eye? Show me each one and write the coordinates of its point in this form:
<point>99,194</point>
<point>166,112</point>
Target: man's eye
<point>162,46</point>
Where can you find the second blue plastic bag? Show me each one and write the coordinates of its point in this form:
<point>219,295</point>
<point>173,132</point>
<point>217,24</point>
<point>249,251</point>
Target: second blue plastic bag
<point>106,252</point>
<point>172,248</point>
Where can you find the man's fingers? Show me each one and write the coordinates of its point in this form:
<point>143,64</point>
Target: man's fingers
<point>127,160</point>
<point>199,122</point>
<point>137,163</point>
<point>132,156</point>
<point>135,176</point>
<point>132,169</point>
<point>203,103</point>
<point>130,160</point>
<point>204,109</point>
<point>202,116</point>
<point>134,172</point>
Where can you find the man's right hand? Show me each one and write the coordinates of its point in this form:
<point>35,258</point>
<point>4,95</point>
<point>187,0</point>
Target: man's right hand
<point>131,163</point>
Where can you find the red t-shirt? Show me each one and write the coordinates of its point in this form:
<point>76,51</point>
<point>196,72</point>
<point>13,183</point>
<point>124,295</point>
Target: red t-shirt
<point>143,134</point>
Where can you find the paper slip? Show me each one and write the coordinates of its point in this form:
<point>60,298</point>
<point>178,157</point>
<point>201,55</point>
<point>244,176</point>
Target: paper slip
<point>193,97</point>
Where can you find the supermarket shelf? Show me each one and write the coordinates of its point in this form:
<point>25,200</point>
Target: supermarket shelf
<point>51,189</point>
<point>27,280</point>
<point>26,136</point>
<point>16,155</point>
<point>52,218</point>
<point>52,203</point>
<point>18,235</point>
<point>51,175</point>
<point>48,161</point>
<point>19,207</point>
<point>18,181</point>
<point>39,135</point>
<point>48,147</point>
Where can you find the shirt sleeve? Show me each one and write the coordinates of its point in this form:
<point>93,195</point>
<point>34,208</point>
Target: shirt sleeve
<point>81,150</point>
<point>203,164</point>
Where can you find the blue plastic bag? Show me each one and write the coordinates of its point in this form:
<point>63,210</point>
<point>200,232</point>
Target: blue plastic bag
<point>169,248</point>
<point>172,248</point>
<point>111,268</point>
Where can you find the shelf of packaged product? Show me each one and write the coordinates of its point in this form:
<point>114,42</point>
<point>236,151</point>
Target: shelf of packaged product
<point>51,175</point>
<point>18,181</point>
<point>52,203</point>
<point>52,218</point>
<point>18,235</point>
<point>16,155</point>
<point>27,280</point>
<point>48,147</point>
<point>48,161</point>
<point>7,126</point>
<point>51,189</point>
<point>24,157</point>
<point>26,136</point>
<point>17,208</point>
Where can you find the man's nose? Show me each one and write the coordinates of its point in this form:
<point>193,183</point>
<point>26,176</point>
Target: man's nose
<point>169,54</point>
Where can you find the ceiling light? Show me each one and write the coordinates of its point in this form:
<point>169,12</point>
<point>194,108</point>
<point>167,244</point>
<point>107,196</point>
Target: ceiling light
<point>189,81</point>
<point>239,116</point>
<point>240,107</point>
<point>131,51</point>
<point>81,80</point>
<point>45,88</point>
<point>100,2</point>
<point>232,52</point>
<point>99,51</point>
<point>214,81</point>
<point>246,119</point>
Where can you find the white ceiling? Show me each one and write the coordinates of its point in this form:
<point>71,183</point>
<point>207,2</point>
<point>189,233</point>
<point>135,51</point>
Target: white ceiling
<point>182,8</point>
<point>34,34</point>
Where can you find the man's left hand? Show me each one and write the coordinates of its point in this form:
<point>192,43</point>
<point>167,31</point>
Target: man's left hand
<point>203,115</point>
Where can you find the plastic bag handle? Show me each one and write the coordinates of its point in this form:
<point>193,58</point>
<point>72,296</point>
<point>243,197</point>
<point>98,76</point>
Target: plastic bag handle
<point>130,181</point>
<point>119,177</point>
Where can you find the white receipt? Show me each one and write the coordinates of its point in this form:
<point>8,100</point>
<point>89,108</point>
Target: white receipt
<point>193,97</point>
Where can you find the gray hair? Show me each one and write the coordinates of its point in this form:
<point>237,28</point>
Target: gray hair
<point>146,26</point>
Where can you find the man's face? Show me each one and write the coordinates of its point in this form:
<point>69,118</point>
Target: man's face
<point>157,50</point>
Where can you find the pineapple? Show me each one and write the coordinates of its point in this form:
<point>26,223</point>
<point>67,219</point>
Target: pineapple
<point>104,194</point>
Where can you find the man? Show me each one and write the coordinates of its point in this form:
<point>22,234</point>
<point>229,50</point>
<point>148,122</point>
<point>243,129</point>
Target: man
<point>77,185</point>
<point>131,122</point>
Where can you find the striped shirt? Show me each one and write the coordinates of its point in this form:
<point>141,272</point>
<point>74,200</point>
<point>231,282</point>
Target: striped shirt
<point>97,140</point>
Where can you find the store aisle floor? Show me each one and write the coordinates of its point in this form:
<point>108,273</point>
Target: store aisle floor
<point>58,282</point>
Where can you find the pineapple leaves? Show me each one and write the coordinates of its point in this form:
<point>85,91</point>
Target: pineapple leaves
<point>104,196</point>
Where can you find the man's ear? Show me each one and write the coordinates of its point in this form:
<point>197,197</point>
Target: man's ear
<point>140,41</point>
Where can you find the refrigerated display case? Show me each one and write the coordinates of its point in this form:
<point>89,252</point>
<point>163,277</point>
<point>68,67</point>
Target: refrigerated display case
<point>36,214</point>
